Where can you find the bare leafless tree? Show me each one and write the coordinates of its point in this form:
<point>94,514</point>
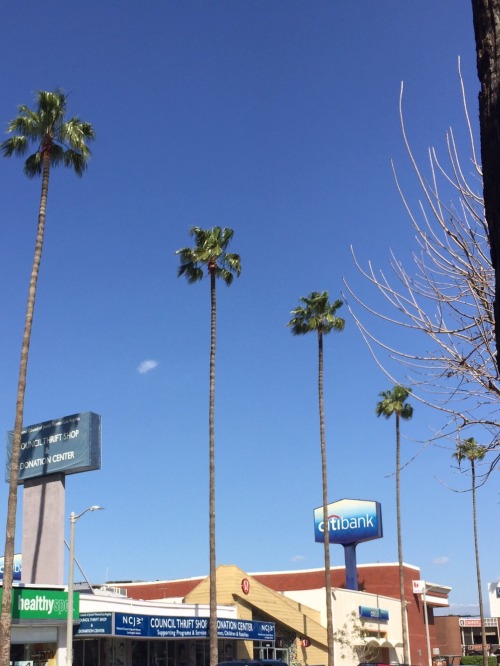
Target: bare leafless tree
<point>443,298</point>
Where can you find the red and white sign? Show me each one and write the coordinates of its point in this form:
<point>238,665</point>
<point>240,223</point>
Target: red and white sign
<point>305,642</point>
<point>418,586</point>
<point>245,585</point>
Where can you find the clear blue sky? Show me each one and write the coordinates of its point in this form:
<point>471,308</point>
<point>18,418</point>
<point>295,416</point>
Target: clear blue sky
<point>278,119</point>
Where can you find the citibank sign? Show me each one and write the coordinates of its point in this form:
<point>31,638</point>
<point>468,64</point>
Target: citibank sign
<point>349,521</point>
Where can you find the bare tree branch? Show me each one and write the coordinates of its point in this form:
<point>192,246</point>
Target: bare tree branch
<point>442,302</point>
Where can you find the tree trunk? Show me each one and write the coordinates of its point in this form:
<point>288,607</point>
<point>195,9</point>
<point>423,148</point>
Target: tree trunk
<point>10,532</point>
<point>486,15</point>
<point>478,568</point>
<point>214,653</point>
<point>406,656</point>
<point>324,477</point>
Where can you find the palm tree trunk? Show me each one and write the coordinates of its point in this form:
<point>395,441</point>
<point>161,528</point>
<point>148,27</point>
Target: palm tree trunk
<point>406,656</point>
<point>478,568</point>
<point>10,532</point>
<point>214,653</point>
<point>324,477</point>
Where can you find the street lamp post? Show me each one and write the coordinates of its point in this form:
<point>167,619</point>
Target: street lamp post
<point>69,626</point>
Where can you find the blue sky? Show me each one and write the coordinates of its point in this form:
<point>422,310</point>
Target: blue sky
<point>278,119</point>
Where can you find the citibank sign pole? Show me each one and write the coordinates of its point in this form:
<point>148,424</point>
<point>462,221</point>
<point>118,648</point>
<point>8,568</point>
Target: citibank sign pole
<point>69,625</point>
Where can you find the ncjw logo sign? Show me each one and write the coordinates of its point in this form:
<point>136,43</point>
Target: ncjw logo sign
<point>349,521</point>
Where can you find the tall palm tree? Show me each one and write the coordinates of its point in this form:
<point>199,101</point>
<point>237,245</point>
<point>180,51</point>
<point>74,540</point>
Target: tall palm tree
<point>210,251</point>
<point>56,141</point>
<point>394,402</point>
<point>318,315</point>
<point>472,451</point>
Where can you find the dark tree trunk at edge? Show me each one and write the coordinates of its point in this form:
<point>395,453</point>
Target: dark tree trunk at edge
<point>486,15</point>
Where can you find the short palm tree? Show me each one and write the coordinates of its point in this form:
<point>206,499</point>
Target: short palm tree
<point>210,251</point>
<point>318,315</point>
<point>56,141</point>
<point>394,402</point>
<point>470,450</point>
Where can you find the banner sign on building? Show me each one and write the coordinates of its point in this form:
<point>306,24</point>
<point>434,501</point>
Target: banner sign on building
<point>476,622</point>
<point>67,445</point>
<point>160,626</point>
<point>38,604</point>
<point>95,624</point>
<point>373,613</point>
<point>17,566</point>
<point>349,521</point>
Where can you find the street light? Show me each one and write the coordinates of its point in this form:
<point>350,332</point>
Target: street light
<point>69,626</point>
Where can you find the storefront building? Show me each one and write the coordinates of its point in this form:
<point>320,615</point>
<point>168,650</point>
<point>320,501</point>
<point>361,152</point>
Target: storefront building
<point>458,635</point>
<point>267,615</point>
<point>114,630</point>
<point>295,602</point>
<point>39,620</point>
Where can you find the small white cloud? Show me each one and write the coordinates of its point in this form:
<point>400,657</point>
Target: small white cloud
<point>297,558</point>
<point>444,559</point>
<point>146,366</point>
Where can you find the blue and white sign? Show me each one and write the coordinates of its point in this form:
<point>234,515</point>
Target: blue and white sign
<point>373,613</point>
<point>67,445</point>
<point>160,626</point>
<point>94,624</point>
<point>129,624</point>
<point>349,521</point>
<point>17,566</point>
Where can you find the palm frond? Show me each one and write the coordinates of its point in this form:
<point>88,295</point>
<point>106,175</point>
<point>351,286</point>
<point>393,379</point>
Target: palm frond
<point>75,160</point>
<point>192,272</point>
<point>33,165</point>
<point>16,145</point>
<point>75,133</point>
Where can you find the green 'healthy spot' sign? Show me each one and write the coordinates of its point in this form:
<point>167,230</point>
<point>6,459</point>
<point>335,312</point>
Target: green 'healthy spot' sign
<point>37,604</point>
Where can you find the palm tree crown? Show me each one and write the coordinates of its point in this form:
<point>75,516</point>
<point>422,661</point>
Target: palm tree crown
<point>469,450</point>
<point>394,402</point>
<point>317,314</point>
<point>210,251</point>
<point>46,128</point>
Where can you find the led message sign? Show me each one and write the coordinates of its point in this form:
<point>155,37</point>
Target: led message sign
<point>349,521</point>
<point>67,445</point>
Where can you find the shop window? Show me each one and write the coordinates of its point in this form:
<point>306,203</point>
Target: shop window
<point>139,653</point>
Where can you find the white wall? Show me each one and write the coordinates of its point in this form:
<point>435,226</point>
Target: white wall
<point>346,602</point>
<point>494,595</point>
